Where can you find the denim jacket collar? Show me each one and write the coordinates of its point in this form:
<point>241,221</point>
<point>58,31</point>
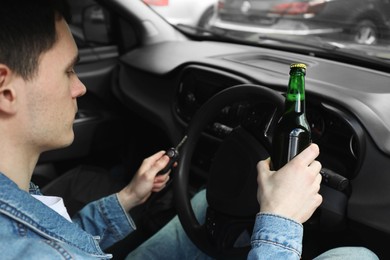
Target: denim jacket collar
<point>23,208</point>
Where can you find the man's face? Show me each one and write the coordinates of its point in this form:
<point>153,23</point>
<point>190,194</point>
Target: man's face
<point>51,95</point>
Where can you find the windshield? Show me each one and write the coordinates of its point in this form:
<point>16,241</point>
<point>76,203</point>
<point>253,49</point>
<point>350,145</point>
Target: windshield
<point>354,29</point>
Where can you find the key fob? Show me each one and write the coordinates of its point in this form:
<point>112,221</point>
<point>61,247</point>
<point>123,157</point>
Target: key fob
<point>173,155</point>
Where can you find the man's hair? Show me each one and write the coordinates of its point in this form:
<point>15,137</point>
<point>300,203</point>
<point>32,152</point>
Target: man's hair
<point>27,30</point>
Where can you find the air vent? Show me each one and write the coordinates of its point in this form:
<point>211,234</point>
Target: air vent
<point>197,85</point>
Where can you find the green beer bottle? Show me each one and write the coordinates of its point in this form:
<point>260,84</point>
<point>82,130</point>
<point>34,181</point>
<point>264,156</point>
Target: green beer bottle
<point>292,133</point>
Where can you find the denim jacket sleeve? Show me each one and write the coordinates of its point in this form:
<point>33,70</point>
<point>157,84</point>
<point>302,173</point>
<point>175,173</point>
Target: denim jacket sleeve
<point>106,219</point>
<point>276,237</point>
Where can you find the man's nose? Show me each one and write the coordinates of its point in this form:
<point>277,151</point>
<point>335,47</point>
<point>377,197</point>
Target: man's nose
<point>78,89</point>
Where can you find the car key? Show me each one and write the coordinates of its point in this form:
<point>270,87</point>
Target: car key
<point>173,154</point>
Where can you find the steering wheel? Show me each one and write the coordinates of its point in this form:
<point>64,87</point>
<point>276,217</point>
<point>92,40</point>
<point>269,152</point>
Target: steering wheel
<point>231,187</point>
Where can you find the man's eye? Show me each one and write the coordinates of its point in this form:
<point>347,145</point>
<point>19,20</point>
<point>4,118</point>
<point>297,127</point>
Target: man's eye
<point>71,71</point>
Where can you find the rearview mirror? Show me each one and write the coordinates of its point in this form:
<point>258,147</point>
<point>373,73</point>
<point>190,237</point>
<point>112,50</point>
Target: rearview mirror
<point>95,25</point>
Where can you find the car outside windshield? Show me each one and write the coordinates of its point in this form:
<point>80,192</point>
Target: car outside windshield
<point>358,30</point>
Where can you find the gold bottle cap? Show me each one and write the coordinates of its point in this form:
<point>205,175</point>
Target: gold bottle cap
<point>298,65</point>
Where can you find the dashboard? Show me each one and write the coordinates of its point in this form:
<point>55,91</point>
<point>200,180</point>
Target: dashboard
<point>168,82</point>
<point>334,130</point>
<point>337,133</point>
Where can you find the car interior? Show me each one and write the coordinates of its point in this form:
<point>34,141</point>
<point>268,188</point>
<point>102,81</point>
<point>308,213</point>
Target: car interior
<point>150,84</point>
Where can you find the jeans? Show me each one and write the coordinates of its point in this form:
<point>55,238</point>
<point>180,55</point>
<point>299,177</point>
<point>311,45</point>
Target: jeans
<point>171,242</point>
<point>348,253</point>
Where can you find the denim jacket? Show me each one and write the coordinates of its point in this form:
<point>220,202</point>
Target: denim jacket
<point>31,230</point>
<point>276,237</point>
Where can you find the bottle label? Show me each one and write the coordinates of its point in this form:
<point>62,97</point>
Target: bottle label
<point>293,144</point>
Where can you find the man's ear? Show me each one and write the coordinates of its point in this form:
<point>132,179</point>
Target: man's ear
<point>7,91</point>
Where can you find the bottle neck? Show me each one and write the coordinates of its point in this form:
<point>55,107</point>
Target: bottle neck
<point>295,96</point>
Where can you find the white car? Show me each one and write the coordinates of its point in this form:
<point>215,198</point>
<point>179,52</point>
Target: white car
<point>188,12</point>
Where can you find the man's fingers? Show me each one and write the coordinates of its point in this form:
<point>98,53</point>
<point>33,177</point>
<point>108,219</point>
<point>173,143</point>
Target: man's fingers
<point>151,160</point>
<point>155,156</point>
<point>264,165</point>
<point>308,155</point>
<point>318,180</point>
<point>316,166</point>
<point>319,200</point>
<point>160,182</point>
<point>159,164</point>
<point>161,178</point>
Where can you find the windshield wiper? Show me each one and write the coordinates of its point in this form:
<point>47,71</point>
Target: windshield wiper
<point>319,44</point>
<point>199,31</point>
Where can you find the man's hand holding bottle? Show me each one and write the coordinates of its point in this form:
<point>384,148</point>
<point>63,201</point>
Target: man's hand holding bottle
<point>292,191</point>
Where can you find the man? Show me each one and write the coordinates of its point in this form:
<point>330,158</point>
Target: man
<point>38,92</point>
